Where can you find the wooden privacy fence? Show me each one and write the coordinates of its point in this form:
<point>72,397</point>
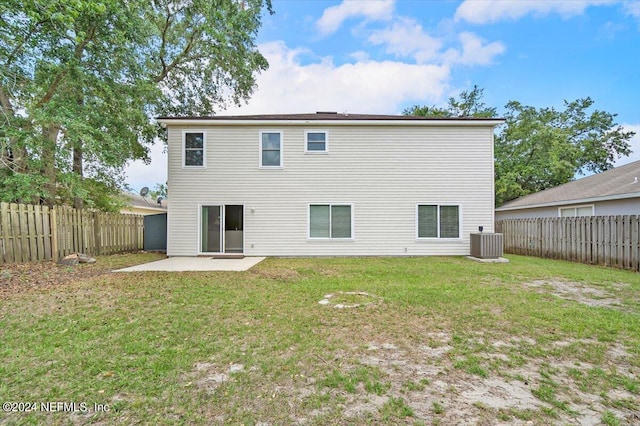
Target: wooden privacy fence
<point>31,233</point>
<point>600,240</point>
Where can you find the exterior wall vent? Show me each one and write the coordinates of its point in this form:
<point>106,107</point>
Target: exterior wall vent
<point>486,245</point>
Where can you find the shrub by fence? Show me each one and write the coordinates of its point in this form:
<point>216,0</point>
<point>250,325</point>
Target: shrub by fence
<point>31,233</point>
<point>600,240</point>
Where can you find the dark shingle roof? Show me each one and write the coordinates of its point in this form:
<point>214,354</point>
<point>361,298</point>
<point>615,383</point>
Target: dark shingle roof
<point>621,182</point>
<point>327,115</point>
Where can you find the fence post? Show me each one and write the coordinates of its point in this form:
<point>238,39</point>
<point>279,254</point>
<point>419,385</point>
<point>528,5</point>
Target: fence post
<point>635,244</point>
<point>6,234</point>
<point>97,234</point>
<point>540,238</point>
<point>54,233</point>
<point>134,225</point>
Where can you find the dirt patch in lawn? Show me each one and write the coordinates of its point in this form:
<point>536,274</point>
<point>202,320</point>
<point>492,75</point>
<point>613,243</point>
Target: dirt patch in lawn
<point>435,389</point>
<point>209,376</point>
<point>385,381</point>
<point>349,299</point>
<point>577,292</point>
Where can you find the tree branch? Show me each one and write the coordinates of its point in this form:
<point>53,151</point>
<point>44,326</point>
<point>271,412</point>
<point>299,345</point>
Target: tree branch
<point>24,41</point>
<point>77,55</point>
<point>5,102</point>
<point>167,24</point>
<point>166,69</point>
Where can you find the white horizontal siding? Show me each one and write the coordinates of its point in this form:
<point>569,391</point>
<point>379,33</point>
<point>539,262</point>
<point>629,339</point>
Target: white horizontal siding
<point>383,171</point>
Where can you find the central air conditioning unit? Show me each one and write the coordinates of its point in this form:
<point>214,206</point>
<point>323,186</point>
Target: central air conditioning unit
<point>486,245</point>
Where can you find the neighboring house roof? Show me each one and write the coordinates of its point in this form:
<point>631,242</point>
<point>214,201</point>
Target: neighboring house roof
<point>621,182</point>
<point>325,116</point>
<point>140,202</point>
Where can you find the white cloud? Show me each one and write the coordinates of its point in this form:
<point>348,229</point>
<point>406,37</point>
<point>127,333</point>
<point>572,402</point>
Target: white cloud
<point>489,11</point>
<point>635,145</point>
<point>404,38</point>
<point>632,8</point>
<point>609,30</point>
<point>372,10</point>
<point>360,56</point>
<point>473,52</point>
<point>362,87</point>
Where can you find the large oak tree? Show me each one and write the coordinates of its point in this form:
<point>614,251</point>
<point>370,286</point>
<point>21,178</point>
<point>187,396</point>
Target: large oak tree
<point>81,80</point>
<point>539,148</point>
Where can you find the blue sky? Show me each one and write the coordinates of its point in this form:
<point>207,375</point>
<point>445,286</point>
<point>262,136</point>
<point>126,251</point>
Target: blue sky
<point>380,56</point>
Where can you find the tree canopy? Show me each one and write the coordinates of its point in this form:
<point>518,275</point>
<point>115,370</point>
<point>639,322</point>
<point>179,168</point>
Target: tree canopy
<point>159,190</point>
<point>81,80</point>
<point>539,148</point>
<point>469,104</point>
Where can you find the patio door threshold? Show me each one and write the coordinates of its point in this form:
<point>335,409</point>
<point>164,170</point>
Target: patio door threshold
<point>223,256</point>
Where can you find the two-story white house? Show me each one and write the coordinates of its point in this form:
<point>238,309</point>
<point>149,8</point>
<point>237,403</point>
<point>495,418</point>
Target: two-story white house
<point>328,184</point>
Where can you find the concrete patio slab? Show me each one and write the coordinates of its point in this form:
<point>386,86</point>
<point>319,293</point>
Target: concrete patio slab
<point>187,264</point>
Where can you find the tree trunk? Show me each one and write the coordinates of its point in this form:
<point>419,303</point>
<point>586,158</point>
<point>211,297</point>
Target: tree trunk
<point>5,148</point>
<point>5,155</point>
<point>50,137</point>
<point>78,202</point>
<point>13,155</point>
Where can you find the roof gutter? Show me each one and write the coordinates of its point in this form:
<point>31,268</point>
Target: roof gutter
<point>569,202</point>
<point>440,123</point>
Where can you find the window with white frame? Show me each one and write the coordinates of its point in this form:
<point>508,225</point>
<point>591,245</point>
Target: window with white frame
<point>576,211</point>
<point>316,141</point>
<point>194,149</point>
<point>438,221</point>
<point>271,149</point>
<point>333,221</point>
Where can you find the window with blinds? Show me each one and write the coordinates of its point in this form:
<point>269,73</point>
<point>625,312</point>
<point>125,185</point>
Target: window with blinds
<point>438,221</point>
<point>330,221</point>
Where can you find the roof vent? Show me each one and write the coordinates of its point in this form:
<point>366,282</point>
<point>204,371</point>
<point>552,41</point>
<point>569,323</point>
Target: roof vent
<point>326,112</point>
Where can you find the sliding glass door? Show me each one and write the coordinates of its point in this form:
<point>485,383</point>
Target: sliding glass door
<point>222,229</point>
<point>211,226</point>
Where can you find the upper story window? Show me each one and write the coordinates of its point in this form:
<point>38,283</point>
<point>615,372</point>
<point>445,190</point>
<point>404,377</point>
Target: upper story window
<point>194,149</point>
<point>438,221</point>
<point>576,211</point>
<point>271,149</point>
<point>316,141</point>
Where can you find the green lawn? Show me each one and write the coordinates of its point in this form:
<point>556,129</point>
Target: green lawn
<point>434,341</point>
